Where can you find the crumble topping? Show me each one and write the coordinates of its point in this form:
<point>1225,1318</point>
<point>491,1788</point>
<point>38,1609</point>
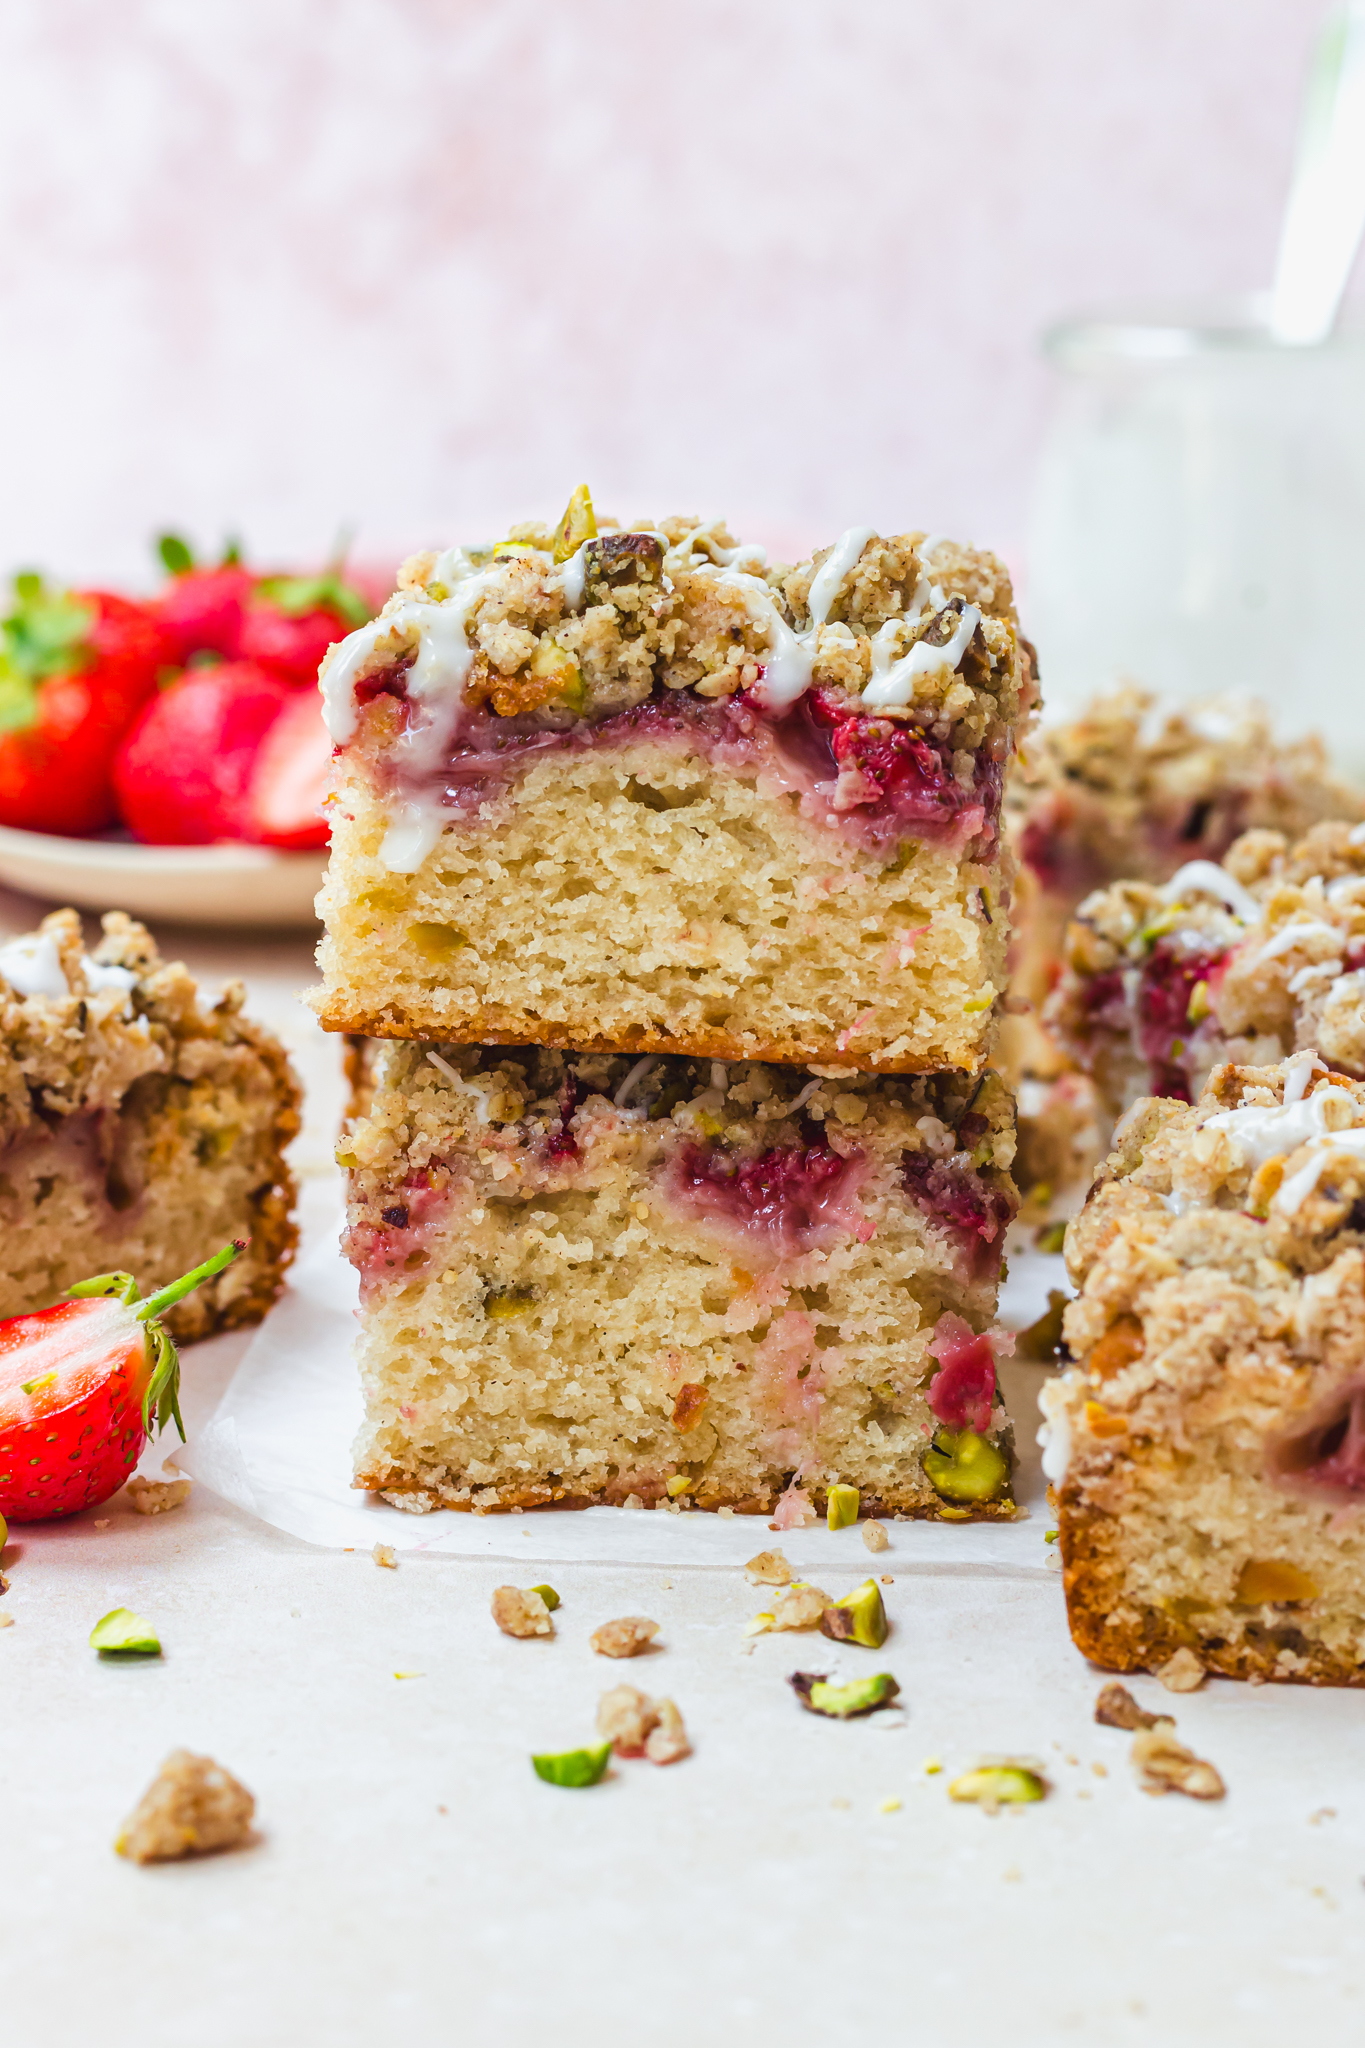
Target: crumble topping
<point>192,1807</point>
<point>521,1614</point>
<point>631,1636</point>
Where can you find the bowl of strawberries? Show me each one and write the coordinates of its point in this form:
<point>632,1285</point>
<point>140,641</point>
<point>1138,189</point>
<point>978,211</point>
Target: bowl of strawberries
<point>168,753</point>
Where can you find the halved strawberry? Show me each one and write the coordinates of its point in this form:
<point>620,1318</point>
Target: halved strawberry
<point>292,777</point>
<point>82,1386</point>
<point>184,772</point>
<point>75,669</point>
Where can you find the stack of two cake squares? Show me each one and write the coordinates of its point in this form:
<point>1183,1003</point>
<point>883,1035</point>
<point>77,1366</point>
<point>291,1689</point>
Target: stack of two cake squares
<point>667,894</point>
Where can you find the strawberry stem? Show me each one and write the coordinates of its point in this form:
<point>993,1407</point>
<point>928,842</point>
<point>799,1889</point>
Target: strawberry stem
<point>166,1298</point>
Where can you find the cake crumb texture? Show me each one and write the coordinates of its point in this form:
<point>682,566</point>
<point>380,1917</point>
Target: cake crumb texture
<point>140,1127</point>
<point>192,1807</point>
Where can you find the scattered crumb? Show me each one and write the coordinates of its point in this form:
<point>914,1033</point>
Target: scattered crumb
<point>443,1809</point>
<point>887,1579</point>
<point>632,1500</point>
<point>1323,1813</point>
<point>409,1674</point>
<point>348,1549</point>
<point>636,1725</point>
<point>932,1764</point>
<point>383,1553</point>
<point>796,1606</point>
<point>666,1586</point>
<point>191,1808</point>
<point>889,1806</point>
<point>629,1637</point>
<point>1165,1765</point>
<point>841,1806</point>
<point>157,1496</point>
<point>875,1537</point>
<point>769,1568</point>
<point>6,1621</point>
<point>102,1522</point>
<point>1014,1875</point>
<point>1182,1672</point>
<point>1071,1759</point>
<point>726,1514</point>
<point>746,1649</point>
<point>1100,1770</point>
<point>1116,1708</point>
<point>521,1614</point>
<point>1085,1793</point>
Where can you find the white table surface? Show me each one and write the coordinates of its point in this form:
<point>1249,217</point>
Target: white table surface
<point>415,1881</point>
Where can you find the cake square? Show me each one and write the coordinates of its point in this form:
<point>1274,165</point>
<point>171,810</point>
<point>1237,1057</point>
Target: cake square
<point>140,1128</point>
<point>1248,961</point>
<point>586,1278</point>
<point>640,792</point>
<point>1207,1444</point>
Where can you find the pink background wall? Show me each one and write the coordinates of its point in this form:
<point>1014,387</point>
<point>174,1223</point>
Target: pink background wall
<point>422,265</point>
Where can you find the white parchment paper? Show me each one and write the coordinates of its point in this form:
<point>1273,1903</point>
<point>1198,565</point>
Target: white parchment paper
<point>279,1446</point>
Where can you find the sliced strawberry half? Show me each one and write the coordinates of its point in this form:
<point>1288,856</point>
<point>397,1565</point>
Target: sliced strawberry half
<point>83,1384</point>
<point>292,778</point>
<point>184,773</point>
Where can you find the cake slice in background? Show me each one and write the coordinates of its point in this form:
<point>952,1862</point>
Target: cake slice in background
<point>140,1128</point>
<point>1250,961</point>
<point>637,791</point>
<point>1127,793</point>
<point>586,1278</point>
<point>1207,1446</point>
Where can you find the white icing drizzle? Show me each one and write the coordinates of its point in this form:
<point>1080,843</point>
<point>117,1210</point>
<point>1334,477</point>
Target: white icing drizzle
<point>1262,1133</point>
<point>1356,835</point>
<point>787,672</point>
<point>828,578</point>
<point>1306,976</point>
<point>573,575</point>
<point>99,976</point>
<point>1291,935</point>
<point>893,682</point>
<point>33,966</point>
<point>1298,1074</point>
<point>1055,1434</point>
<point>1206,878</point>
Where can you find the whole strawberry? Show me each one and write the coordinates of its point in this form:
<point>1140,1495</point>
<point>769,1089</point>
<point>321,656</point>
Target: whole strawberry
<point>291,622</point>
<point>202,610</point>
<point>76,668</point>
<point>82,1386</point>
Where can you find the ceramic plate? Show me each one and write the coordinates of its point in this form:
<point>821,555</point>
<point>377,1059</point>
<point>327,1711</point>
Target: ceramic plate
<point>214,885</point>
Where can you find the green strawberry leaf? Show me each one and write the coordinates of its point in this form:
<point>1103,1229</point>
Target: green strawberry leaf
<point>231,557</point>
<point>46,633</point>
<point>177,556</point>
<point>295,595</point>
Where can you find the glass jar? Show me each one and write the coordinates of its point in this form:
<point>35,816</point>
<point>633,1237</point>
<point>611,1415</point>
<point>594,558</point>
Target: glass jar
<point>1199,519</point>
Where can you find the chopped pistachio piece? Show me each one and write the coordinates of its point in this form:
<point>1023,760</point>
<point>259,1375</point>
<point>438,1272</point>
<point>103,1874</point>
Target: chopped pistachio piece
<point>573,1766</point>
<point>547,1594</point>
<point>963,1466</point>
<point>1051,1238</point>
<point>4,1532</point>
<point>678,1484</point>
<point>860,1617</point>
<point>841,1506</point>
<point>998,1785</point>
<point>121,1633</point>
<point>578,524</point>
<point>843,1702</point>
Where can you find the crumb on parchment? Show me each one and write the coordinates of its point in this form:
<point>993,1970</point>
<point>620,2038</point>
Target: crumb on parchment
<point>521,1614</point>
<point>769,1568</point>
<point>875,1536</point>
<point>1116,1708</point>
<point>191,1808</point>
<point>1165,1765</point>
<point>384,1553</point>
<point>629,1637</point>
<point>1182,1672</point>
<point>156,1496</point>
<point>638,1726</point>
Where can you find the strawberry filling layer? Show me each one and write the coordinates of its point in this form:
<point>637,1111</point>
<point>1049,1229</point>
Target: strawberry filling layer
<point>876,779</point>
<point>395,1242</point>
<point>958,1197</point>
<point>1166,983</point>
<point>793,1198</point>
<point>1326,1458</point>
